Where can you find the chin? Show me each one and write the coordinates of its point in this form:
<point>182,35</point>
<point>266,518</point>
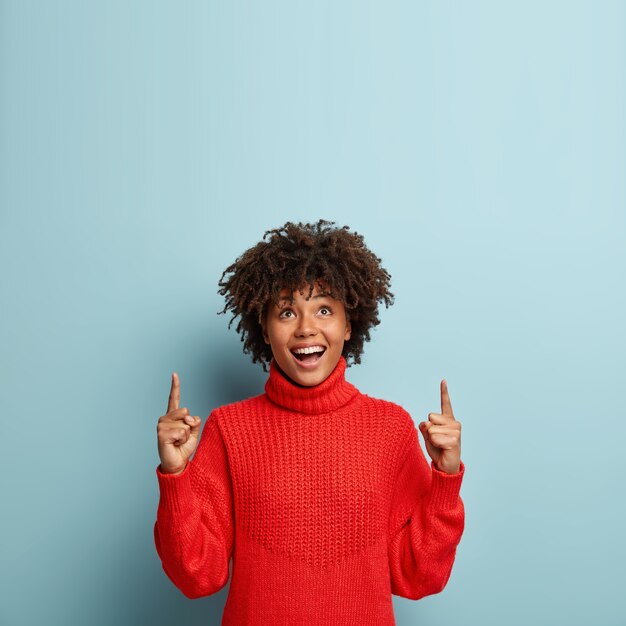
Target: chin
<point>305,379</point>
<point>312,383</point>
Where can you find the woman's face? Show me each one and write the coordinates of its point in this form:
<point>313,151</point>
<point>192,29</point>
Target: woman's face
<point>320,323</point>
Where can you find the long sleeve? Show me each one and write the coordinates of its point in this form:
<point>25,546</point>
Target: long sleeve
<point>194,529</point>
<point>426,524</point>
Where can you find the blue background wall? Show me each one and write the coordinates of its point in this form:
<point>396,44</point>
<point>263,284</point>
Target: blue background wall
<point>479,147</point>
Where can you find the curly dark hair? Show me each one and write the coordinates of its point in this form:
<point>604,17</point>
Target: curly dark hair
<point>297,254</point>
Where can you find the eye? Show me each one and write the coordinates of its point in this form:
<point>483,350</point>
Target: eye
<point>325,308</point>
<point>285,311</point>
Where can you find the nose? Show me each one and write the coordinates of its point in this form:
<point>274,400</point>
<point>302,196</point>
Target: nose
<point>306,327</point>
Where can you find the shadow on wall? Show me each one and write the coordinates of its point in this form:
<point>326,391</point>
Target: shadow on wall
<point>233,376</point>
<point>140,588</point>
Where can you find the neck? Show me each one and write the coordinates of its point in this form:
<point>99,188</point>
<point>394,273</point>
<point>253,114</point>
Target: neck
<point>331,394</point>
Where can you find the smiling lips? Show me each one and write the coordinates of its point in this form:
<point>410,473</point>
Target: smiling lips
<point>308,356</point>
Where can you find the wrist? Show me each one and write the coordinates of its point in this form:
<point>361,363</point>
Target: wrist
<point>448,470</point>
<point>171,472</point>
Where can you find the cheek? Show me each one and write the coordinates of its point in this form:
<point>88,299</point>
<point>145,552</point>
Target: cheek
<point>275,333</point>
<point>340,332</point>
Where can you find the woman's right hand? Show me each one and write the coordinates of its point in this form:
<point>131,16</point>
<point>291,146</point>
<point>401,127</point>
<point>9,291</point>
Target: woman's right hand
<point>177,433</point>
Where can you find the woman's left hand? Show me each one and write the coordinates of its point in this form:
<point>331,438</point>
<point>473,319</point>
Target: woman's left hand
<point>442,435</point>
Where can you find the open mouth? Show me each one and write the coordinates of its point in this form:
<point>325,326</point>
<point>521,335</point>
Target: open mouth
<point>310,357</point>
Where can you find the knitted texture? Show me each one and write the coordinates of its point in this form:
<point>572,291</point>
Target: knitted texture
<point>324,501</point>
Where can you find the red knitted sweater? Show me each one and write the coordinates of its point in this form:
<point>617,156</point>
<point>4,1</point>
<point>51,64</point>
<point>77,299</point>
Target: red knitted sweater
<point>323,499</point>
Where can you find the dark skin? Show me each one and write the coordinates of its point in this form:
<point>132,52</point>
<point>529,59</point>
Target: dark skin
<point>177,433</point>
<point>442,435</point>
<point>319,320</point>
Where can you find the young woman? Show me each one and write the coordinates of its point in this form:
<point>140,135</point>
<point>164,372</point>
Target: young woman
<point>319,494</point>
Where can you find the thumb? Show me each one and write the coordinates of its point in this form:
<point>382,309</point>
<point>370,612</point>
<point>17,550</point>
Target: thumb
<point>194,423</point>
<point>194,434</point>
<point>195,426</point>
<point>430,448</point>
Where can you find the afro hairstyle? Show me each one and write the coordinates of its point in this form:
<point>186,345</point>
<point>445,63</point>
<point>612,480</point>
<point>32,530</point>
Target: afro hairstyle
<point>295,255</point>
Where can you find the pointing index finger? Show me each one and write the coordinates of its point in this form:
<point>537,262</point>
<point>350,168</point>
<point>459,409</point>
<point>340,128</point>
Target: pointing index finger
<point>446,406</point>
<point>174,399</point>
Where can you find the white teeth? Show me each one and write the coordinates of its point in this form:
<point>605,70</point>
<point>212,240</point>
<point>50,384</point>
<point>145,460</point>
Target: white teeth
<point>310,350</point>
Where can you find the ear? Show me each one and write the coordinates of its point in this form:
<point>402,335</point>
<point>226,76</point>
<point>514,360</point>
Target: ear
<point>348,331</point>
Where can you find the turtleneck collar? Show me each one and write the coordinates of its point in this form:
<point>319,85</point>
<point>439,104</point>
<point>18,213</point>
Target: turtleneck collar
<point>330,394</point>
